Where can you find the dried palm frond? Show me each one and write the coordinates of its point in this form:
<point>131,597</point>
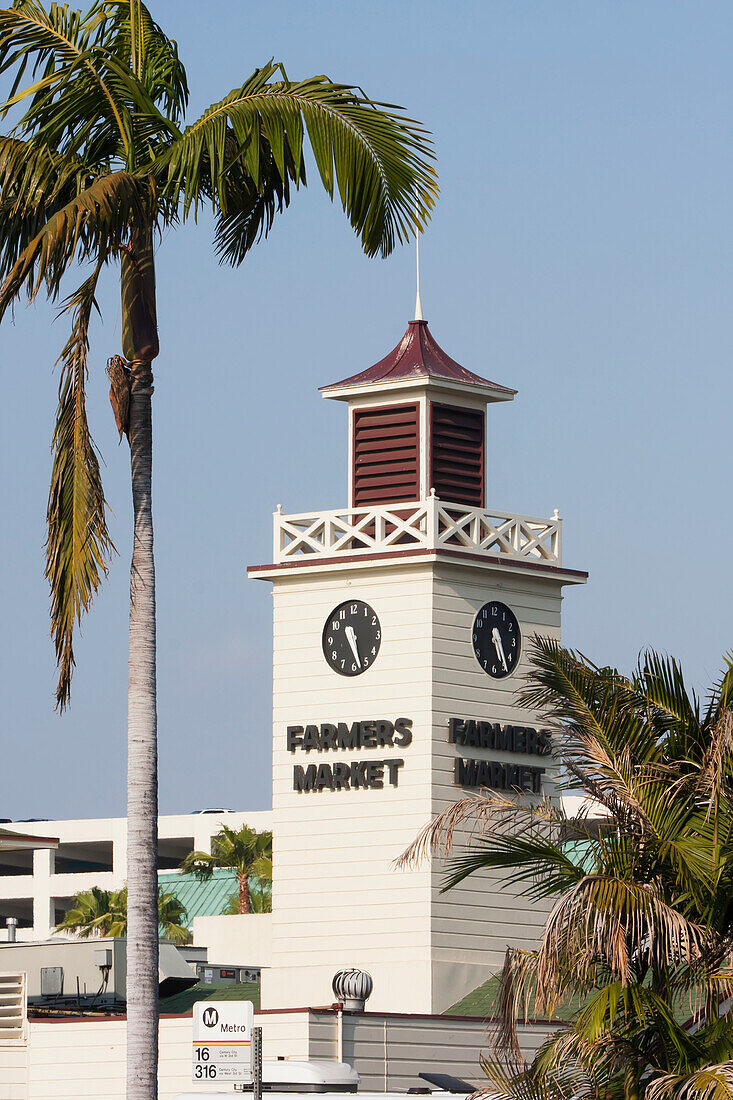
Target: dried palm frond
<point>710,1083</point>
<point>473,815</point>
<point>78,546</point>
<point>119,373</point>
<point>604,917</point>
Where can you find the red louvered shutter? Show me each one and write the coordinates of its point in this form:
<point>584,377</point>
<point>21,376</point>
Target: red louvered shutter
<point>457,454</point>
<point>386,454</point>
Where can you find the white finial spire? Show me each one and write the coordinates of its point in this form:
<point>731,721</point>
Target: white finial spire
<point>418,303</point>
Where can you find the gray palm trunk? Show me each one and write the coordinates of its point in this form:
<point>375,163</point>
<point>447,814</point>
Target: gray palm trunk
<point>142,766</point>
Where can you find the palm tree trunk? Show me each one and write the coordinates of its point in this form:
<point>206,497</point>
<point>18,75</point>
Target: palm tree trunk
<point>140,346</point>
<point>142,766</point>
<point>245,901</point>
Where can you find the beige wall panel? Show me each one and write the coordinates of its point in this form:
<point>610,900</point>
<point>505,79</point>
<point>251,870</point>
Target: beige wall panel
<point>68,1059</point>
<point>336,887</point>
<point>473,923</point>
<point>336,895</point>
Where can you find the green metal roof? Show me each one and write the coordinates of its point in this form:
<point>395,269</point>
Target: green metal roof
<point>482,1002</point>
<point>181,1003</point>
<point>202,899</point>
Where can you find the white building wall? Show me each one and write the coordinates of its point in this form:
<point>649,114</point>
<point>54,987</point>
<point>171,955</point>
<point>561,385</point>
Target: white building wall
<point>338,899</point>
<point>473,923</point>
<point>66,1059</point>
<point>44,884</point>
<point>244,939</point>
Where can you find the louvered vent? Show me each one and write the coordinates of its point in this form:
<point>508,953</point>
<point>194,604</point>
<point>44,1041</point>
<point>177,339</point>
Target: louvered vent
<point>12,1007</point>
<point>457,454</point>
<point>386,455</point>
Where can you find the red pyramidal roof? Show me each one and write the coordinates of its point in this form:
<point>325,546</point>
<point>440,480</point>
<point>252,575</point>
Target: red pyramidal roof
<point>419,356</point>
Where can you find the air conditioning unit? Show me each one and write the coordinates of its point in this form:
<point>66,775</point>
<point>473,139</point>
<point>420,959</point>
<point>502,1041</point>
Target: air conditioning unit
<point>87,973</point>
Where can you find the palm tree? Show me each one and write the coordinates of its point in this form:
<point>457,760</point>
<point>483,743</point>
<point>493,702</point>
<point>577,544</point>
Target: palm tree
<point>245,851</point>
<point>97,912</point>
<point>639,939</point>
<point>94,912</point>
<point>100,163</point>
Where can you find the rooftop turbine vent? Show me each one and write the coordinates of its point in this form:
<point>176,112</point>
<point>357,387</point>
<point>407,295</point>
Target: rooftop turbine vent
<point>352,989</point>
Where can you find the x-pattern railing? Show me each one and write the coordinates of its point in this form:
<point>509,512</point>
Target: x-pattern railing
<point>428,524</point>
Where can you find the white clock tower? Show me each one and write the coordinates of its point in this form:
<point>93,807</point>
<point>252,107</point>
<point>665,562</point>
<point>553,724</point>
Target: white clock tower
<point>399,626</point>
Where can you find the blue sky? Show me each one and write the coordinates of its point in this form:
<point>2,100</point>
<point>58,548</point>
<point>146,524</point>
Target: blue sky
<point>580,252</point>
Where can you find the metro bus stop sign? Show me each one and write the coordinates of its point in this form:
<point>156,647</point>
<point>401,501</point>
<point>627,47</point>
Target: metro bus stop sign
<point>222,1041</point>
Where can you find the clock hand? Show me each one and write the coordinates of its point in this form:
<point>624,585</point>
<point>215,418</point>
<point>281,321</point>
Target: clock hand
<point>496,639</point>
<point>351,637</point>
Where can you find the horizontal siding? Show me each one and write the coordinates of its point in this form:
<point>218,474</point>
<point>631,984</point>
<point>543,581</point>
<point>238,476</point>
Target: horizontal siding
<point>337,895</point>
<point>338,899</point>
<point>73,1058</point>
<point>476,921</point>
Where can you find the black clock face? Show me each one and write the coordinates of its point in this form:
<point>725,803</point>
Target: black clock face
<point>497,640</point>
<point>351,638</point>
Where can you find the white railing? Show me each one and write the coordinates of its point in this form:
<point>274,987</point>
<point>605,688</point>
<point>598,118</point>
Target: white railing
<point>430,524</point>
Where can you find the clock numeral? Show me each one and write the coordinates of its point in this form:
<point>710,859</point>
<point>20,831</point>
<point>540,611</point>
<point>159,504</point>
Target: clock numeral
<point>354,609</point>
<point>343,663</point>
<point>353,667</point>
<point>335,625</point>
<point>334,655</point>
<point>342,613</point>
<point>374,620</point>
<point>378,635</point>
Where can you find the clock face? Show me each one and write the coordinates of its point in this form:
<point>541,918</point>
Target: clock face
<point>351,638</point>
<point>497,640</point>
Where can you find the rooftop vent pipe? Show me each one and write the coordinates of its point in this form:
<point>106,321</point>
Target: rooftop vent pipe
<point>11,923</point>
<point>352,989</point>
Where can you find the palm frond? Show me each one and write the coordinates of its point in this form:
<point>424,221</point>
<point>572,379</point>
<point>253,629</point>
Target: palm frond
<point>368,153</point>
<point>608,918</point>
<point>532,861</point>
<point>509,1080</point>
<point>35,182</point>
<point>199,864</point>
<point>92,225</point>
<point>136,39</point>
<point>516,996</point>
<point>78,546</point>
<point>251,209</point>
<point>67,50</point>
<point>710,1083</point>
<point>475,815</point>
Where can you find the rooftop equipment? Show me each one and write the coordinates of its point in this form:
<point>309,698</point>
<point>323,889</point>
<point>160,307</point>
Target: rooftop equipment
<point>352,989</point>
<point>87,973</point>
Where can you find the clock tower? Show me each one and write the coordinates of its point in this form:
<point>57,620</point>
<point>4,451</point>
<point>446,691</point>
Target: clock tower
<point>400,627</point>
